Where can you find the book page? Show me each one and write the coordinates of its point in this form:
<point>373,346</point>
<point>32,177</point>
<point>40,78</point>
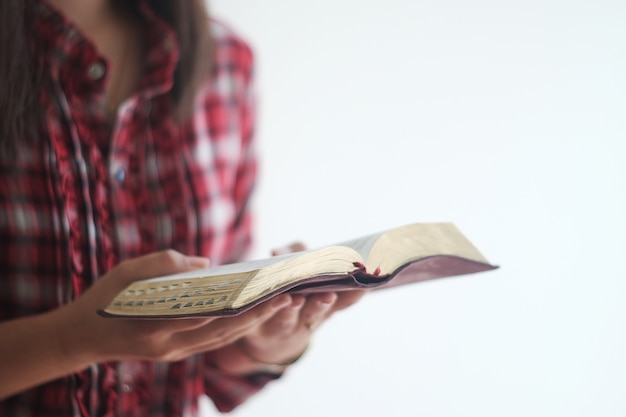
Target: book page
<point>235,285</point>
<point>330,260</point>
<point>227,286</point>
<point>236,268</point>
<point>401,245</point>
<point>363,245</point>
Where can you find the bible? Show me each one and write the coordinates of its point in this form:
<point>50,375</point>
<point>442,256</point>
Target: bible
<point>402,255</point>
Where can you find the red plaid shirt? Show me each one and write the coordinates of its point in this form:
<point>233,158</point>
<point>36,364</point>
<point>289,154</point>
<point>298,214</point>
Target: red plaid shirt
<point>84,198</point>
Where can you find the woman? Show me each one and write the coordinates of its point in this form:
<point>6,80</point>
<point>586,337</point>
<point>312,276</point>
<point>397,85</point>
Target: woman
<point>126,140</point>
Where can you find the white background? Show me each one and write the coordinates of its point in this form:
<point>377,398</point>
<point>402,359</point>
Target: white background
<point>505,117</point>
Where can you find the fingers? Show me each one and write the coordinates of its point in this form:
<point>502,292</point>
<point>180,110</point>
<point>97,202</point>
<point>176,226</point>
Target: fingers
<point>303,314</point>
<point>308,312</point>
<point>148,266</point>
<point>317,309</point>
<point>286,319</point>
<point>170,326</point>
<point>278,329</point>
<point>347,298</point>
<point>275,330</point>
<point>291,248</point>
<point>159,263</point>
<point>224,331</point>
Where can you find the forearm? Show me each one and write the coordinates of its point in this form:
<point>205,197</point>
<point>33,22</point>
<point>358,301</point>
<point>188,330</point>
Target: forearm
<point>31,353</point>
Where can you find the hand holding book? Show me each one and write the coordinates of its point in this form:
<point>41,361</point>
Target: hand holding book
<point>403,255</point>
<point>283,338</point>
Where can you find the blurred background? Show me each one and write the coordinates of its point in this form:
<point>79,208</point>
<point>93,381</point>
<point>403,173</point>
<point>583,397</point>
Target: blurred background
<point>506,118</point>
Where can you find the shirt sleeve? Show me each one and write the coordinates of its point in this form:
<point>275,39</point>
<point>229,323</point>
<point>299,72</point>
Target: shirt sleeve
<point>235,57</point>
<point>229,391</point>
<point>247,168</point>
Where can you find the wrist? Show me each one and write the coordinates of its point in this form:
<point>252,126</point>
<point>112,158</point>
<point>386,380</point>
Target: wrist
<point>264,365</point>
<point>238,359</point>
<point>72,339</point>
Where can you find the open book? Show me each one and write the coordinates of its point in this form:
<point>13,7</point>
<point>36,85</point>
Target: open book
<point>403,255</point>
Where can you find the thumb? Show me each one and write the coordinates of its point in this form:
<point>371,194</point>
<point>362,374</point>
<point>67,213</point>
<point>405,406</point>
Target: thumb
<point>149,266</point>
<point>291,248</point>
<point>158,264</point>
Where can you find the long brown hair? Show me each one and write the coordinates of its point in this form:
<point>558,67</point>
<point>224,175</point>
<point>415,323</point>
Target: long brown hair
<point>21,77</point>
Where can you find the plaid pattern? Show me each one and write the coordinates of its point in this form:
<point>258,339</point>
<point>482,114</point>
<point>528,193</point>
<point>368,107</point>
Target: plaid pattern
<point>82,199</point>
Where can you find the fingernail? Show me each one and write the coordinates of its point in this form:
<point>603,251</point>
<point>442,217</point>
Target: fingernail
<point>198,262</point>
<point>280,301</point>
<point>294,247</point>
<point>329,298</point>
<point>281,251</point>
<point>297,302</point>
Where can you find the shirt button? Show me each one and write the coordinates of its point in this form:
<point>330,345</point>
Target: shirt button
<point>96,70</point>
<point>71,33</point>
<point>120,175</point>
<point>168,44</point>
<point>77,262</point>
<point>128,384</point>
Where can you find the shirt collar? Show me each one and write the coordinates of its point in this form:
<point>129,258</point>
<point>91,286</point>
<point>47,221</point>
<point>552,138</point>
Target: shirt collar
<point>70,56</point>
